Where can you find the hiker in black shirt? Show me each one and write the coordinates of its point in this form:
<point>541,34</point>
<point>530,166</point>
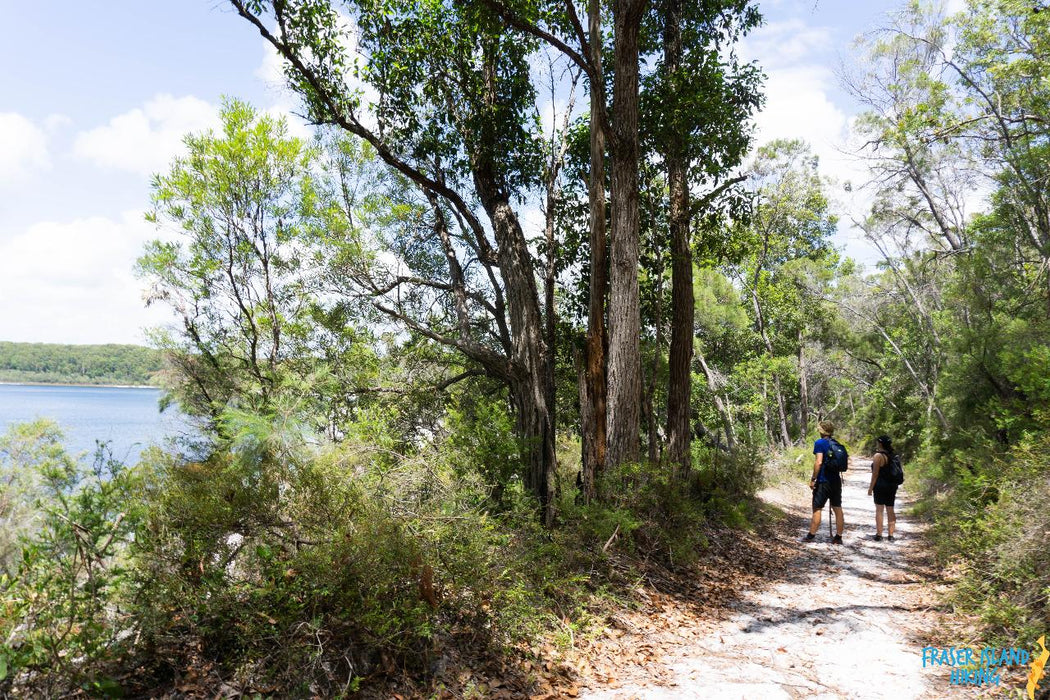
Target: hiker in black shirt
<point>883,486</point>
<point>826,484</point>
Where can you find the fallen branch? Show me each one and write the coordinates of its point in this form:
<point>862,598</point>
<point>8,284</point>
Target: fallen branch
<point>611,537</point>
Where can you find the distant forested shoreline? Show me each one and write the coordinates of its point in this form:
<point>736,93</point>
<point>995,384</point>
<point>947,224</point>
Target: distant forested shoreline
<point>47,363</point>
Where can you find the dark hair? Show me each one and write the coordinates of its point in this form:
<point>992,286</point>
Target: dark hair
<point>886,443</point>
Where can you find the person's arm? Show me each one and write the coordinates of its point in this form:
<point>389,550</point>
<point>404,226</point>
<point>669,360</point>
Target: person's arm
<point>876,464</point>
<point>816,469</point>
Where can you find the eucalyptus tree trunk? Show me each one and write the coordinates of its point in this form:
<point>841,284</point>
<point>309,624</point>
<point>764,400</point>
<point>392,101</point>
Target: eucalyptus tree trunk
<point>531,382</point>
<point>593,419</point>
<point>785,436</point>
<point>680,358</point>
<point>625,365</point>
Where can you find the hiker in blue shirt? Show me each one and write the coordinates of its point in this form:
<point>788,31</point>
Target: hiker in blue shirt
<point>826,484</point>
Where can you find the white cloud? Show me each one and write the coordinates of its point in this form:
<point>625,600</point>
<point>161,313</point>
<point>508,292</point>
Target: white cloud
<point>798,106</point>
<point>145,139</point>
<point>23,147</point>
<point>802,102</point>
<point>73,281</point>
<point>271,70</point>
<point>55,122</point>
<point>784,43</point>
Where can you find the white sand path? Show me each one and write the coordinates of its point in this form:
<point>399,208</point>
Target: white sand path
<point>843,623</point>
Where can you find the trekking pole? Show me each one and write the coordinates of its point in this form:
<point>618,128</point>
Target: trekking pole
<point>830,512</point>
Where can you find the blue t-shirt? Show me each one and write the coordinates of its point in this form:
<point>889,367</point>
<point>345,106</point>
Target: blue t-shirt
<point>821,447</point>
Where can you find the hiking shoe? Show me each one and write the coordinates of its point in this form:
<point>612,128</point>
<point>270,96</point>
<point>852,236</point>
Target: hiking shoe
<point>837,539</point>
<point>809,537</point>
<point>890,538</point>
<point>878,538</point>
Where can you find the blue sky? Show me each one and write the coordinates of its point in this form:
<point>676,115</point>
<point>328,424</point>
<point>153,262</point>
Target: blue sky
<point>95,96</point>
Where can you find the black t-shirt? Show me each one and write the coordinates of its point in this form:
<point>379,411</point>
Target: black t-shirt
<point>883,480</point>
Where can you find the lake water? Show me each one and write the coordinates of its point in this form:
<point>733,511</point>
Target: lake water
<point>130,419</point>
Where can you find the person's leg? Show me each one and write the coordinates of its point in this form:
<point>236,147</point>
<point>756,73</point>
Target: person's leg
<point>836,508</point>
<point>820,497</point>
<point>892,517</point>
<point>878,520</point>
<point>814,524</point>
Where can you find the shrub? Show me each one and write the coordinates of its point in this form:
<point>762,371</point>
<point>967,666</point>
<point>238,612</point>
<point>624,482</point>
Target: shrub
<point>994,526</point>
<point>62,609</point>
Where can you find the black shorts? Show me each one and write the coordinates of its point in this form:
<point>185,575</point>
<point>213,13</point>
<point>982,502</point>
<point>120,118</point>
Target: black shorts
<point>824,491</point>
<point>884,494</point>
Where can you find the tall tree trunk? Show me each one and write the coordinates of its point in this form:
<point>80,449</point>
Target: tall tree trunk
<point>593,421</point>
<point>1046,265</point>
<point>585,479</point>
<point>680,358</point>
<point>625,365</point>
<point>785,436</point>
<point>531,382</point>
<point>803,390</point>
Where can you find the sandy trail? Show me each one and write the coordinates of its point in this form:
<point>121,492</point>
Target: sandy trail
<point>844,622</point>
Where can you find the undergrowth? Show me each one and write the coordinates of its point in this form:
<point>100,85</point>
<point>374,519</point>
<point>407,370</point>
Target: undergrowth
<point>281,565</point>
<point>991,518</point>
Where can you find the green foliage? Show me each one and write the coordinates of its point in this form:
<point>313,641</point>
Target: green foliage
<point>658,516</point>
<point>482,440</point>
<point>711,96</point>
<point>61,613</point>
<point>762,318</point>
<point>735,477</point>
<point>28,452</point>
<point>993,527</point>
<point>275,563</point>
<point>78,364</point>
<point>790,465</point>
<point>248,211</point>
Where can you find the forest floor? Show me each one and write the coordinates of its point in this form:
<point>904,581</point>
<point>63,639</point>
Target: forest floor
<point>824,621</point>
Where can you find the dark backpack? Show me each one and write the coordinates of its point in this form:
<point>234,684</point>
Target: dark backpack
<point>836,459</point>
<point>895,475</point>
